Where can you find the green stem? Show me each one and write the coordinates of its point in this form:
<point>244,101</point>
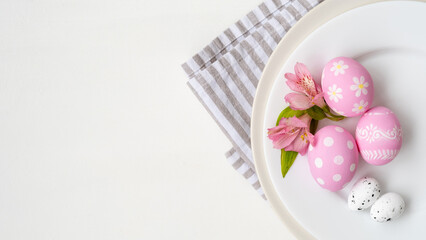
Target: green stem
<point>336,119</point>
<point>332,116</point>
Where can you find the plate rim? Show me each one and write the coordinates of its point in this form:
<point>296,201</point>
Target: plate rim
<point>315,18</point>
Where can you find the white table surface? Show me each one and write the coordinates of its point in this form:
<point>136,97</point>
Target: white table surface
<point>100,138</point>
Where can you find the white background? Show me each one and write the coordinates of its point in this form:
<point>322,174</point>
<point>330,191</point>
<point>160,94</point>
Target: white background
<point>100,138</point>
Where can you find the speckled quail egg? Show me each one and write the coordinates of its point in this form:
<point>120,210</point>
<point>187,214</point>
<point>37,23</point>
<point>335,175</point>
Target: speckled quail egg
<point>387,208</point>
<point>363,194</point>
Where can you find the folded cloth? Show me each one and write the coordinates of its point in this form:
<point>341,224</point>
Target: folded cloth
<point>224,75</point>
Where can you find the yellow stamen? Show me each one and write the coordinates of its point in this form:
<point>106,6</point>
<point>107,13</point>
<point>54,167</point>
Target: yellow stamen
<point>339,66</point>
<point>334,93</point>
<point>304,137</point>
<point>360,107</point>
<point>361,86</point>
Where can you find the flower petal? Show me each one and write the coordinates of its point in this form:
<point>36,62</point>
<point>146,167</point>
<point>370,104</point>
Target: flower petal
<point>295,122</point>
<point>318,100</point>
<point>287,130</point>
<point>318,88</point>
<point>311,138</point>
<point>295,86</point>
<point>301,70</point>
<point>298,101</point>
<point>306,119</point>
<point>291,77</point>
<point>299,145</point>
<point>276,131</point>
<point>285,140</point>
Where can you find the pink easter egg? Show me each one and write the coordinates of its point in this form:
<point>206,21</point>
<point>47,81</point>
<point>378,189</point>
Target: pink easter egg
<point>379,136</point>
<point>333,158</point>
<point>348,87</point>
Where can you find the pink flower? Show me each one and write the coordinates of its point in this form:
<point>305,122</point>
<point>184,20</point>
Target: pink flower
<point>307,93</point>
<point>292,134</point>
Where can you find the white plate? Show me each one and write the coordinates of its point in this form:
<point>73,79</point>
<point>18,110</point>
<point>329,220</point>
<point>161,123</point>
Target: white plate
<point>389,39</point>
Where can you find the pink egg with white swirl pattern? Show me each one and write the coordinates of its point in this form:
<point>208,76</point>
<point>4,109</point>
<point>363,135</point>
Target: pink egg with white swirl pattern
<point>333,158</point>
<point>348,87</point>
<point>379,136</point>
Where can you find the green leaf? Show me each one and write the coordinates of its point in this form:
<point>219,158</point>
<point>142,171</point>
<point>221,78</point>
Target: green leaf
<point>287,159</point>
<point>316,113</point>
<point>314,125</point>
<point>288,112</point>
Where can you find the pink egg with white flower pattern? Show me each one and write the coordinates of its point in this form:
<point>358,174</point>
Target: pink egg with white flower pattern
<point>379,136</point>
<point>333,158</point>
<point>348,87</point>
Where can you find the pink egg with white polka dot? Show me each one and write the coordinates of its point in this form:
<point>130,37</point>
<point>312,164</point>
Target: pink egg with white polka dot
<point>333,158</point>
<point>348,87</point>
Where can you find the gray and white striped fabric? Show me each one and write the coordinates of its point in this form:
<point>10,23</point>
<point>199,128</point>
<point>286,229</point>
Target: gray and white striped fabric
<point>224,75</point>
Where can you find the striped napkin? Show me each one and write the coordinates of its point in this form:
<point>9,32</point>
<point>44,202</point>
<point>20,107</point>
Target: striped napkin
<point>224,75</point>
